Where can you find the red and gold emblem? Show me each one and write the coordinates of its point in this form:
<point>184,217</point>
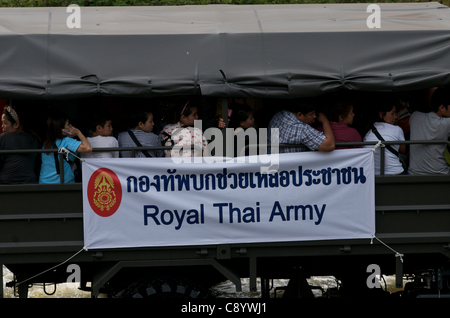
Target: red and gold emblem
<point>104,192</point>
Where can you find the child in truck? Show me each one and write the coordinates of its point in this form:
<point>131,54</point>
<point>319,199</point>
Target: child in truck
<point>140,135</point>
<point>242,119</point>
<point>182,132</point>
<point>101,126</point>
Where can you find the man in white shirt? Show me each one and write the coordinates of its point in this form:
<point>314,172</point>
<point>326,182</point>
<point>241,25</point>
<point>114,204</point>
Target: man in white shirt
<point>435,125</point>
<point>102,138</point>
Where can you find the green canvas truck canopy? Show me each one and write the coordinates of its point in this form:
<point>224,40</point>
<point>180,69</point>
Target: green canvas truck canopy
<point>282,51</point>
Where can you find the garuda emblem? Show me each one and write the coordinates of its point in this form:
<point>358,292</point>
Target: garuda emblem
<point>104,196</point>
<point>104,192</point>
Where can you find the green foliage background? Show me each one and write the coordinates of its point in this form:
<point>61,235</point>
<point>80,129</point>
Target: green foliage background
<point>65,3</point>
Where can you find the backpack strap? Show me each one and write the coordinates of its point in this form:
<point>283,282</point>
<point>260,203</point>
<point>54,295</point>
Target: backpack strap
<point>375,131</point>
<point>55,155</point>
<point>138,143</point>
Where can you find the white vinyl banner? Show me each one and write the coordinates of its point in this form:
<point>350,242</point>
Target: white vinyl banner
<point>140,202</point>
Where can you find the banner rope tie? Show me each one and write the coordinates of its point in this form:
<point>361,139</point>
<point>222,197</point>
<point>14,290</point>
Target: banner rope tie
<point>67,152</point>
<point>83,249</point>
<point>379,144</point>
<point>397,254</point>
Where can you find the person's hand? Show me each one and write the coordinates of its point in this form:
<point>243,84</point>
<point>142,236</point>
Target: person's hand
<point>71,131</point>
<point>320,117</point>
<point>221,123</point>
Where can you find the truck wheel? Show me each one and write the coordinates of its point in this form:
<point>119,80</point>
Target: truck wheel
<point>167,287</point>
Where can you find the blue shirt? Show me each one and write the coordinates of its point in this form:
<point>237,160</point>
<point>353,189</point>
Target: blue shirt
<point>48,168</point>
<point>293,131</point>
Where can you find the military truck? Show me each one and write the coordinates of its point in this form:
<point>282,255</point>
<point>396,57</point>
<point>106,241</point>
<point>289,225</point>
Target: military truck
<point>216,53</point>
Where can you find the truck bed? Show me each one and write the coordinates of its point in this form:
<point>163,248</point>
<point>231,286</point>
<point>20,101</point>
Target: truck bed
<point>41,226</point>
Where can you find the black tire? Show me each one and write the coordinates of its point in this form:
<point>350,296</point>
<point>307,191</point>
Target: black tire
<point>165,287</point>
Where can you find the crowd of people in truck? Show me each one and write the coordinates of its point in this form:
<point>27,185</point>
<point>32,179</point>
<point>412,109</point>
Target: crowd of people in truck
<point>303,122</point>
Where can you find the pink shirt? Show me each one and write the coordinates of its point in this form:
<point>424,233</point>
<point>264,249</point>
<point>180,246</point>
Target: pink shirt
<point>344,133</point>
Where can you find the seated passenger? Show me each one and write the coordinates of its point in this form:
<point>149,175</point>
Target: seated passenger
<point>341,117</point>
<point>16,168</point>
<point>140,135</point>
<point>384,124</point>
<point>242,119</point>
<point>435,125</point>
<point>102,138</point>
<point>182,132</point>
<point>61,134</point>
<point>294,127</point>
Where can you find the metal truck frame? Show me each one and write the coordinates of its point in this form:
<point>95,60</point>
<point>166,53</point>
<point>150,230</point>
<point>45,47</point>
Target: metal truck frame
<point>41,230</point>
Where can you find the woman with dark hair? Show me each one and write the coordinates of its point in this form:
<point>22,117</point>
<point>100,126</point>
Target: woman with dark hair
<point>341,117</point>
<point>61,134</point>
<point>16,168</point>
<point>384,127</point>
<point>242,119</point>
<point>140,135</point>
<point>182,133</point>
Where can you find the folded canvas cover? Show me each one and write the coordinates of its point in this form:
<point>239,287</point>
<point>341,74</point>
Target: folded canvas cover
<point>222,50</point>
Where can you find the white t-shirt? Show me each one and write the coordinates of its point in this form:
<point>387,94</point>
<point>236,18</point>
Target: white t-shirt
<point>428,159</point>
<point>392,164</point>
<point>102,142</point>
